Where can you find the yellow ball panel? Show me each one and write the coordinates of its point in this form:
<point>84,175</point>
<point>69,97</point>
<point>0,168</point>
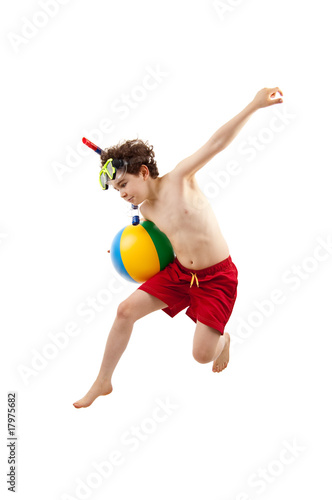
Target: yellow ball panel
<point>138,253</point>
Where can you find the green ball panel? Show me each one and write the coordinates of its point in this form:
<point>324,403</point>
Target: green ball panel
<point>161,242</point>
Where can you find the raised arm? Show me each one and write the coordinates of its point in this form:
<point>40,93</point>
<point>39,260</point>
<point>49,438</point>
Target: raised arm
<point>225,134</point>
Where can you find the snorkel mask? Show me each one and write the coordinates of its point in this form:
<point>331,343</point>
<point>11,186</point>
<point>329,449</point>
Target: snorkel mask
<point>111,169</point>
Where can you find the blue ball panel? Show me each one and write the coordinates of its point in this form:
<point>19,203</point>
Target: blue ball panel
<point>117,259</point>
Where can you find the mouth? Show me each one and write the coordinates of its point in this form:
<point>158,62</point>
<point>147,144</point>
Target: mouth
<point>130,199</point>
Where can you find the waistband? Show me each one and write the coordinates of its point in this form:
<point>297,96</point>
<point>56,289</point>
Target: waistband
<point>201,273</point>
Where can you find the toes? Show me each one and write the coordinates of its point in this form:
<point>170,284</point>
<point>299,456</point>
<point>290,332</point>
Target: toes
<point>220,368</point>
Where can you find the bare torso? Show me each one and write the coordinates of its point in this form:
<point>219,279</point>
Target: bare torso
<point>184,214</point>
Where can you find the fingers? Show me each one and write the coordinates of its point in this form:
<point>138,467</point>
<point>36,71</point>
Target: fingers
<point>272,94</point>
<point>267,97</point>
<point>276,89</point>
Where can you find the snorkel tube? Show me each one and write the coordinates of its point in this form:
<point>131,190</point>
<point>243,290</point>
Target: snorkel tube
<point>92,146</point>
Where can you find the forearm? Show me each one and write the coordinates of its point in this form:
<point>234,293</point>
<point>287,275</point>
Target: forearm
<point>225,134</point>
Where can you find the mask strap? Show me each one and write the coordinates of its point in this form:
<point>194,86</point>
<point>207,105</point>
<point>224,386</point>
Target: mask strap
<point>116,163</point>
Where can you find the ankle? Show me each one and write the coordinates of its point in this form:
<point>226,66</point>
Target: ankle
<point>104,379</point>
<point>220,347</point>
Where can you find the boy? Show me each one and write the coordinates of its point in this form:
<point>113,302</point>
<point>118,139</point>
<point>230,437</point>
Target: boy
<point>202,276</point>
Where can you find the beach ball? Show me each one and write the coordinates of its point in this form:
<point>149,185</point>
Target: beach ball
<point>139,252</point>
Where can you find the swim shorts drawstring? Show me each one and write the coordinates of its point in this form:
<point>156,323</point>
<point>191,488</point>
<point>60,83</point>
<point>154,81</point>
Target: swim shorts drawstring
<point>194,277</point>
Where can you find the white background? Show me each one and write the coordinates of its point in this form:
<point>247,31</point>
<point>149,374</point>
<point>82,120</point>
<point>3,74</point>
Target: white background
<point>58,84</point>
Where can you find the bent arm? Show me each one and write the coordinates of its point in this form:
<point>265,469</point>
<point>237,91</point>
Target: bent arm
<point>225,134</point>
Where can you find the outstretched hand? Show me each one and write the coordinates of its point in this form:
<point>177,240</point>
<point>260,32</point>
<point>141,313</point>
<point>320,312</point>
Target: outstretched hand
<point>267,97</point>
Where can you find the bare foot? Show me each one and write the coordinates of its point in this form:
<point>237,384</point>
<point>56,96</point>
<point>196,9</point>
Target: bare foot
<point>222,360</point>
<point>99,388</point>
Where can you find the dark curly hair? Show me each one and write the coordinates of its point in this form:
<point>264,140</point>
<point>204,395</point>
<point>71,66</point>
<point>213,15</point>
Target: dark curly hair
<point>136,152</point>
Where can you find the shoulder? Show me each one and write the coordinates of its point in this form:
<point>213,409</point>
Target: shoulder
<point>176,178</point>
<point>175,182</point>
<point>144,209</point>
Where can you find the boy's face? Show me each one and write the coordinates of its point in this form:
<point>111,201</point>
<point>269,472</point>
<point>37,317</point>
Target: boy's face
<point>132,188</point>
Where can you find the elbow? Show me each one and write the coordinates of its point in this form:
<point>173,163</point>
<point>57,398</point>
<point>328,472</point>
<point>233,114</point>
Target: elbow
<point>217,145</point>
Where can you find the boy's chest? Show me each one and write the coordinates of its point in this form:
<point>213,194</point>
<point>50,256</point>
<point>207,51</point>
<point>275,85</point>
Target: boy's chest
<point>176,211</point>
<point>165,215</point>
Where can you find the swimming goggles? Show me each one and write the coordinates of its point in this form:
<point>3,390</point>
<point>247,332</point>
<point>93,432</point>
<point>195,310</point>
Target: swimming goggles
<point>109,170</point>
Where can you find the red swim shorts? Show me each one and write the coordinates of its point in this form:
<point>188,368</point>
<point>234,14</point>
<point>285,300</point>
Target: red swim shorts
<point>209,294</point>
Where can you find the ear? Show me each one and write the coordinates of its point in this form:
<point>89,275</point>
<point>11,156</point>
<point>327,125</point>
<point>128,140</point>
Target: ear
<point>144,171</point>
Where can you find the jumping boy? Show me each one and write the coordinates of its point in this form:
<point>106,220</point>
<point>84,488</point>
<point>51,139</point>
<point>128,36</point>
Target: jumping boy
<point>202,277</point>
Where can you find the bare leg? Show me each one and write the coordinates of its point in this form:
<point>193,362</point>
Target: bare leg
<point>222,353</point>
<point>209,346</point>
<point>139,304</point>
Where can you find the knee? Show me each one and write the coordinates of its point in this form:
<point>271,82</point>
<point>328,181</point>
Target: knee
<point>125,311</point>
<point>202,355</point>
